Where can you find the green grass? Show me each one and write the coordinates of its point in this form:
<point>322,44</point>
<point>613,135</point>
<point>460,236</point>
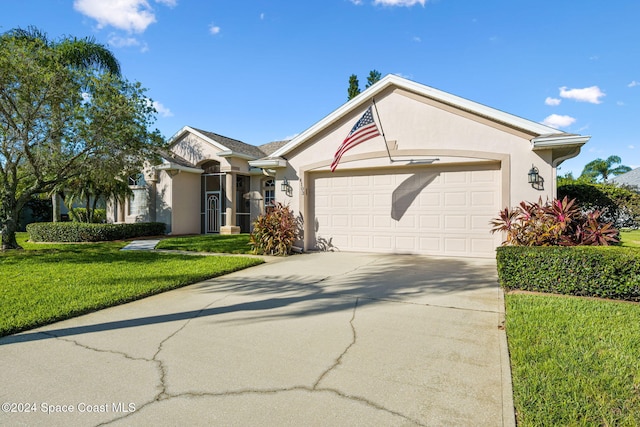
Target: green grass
<point>575,361</point>
<point>49,282</point>
<point>216,243</point>
<point>630,238</point>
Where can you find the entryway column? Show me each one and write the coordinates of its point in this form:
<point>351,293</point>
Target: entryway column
<point>230,210</point>
<point>120,202</point>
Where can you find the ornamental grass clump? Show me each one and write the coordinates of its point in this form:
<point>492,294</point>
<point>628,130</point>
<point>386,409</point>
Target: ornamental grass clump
<point>555,223</point>
<point>274,232</point>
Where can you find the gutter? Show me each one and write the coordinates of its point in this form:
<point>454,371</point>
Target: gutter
<point>559,141</point>
<point>176,167</point>
<point>269,163</point>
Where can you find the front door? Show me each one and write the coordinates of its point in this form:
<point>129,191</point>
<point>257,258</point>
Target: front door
<point>212,212</point>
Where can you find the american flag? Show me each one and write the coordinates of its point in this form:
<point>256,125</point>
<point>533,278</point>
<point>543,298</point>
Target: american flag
<point>362,131</point>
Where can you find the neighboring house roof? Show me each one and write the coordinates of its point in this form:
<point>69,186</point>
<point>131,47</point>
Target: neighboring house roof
<point>542,136</point>
<point>270,147</point>
<point>631,178</point>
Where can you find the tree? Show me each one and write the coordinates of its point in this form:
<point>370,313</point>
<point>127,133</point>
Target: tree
<point>354,87</point>
<point>603,168</point>
<point>354,84</point>
<point>51,134</point>
<point>76,53</point>
<point>374,77</point>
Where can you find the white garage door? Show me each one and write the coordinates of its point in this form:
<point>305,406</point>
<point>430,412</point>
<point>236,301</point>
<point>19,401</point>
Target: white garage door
<point>422,211</point>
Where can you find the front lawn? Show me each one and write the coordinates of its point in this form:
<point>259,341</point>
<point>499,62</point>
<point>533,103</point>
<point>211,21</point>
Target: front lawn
<point>630,238</point>
<point>49,282</point>
<point>574,360</point>
<point>216,243</point>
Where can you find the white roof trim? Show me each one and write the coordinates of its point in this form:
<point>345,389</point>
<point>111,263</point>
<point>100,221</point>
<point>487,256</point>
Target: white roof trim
<point>559,141</point>
<point>426,91</point>
<point>269,163</point>
<point>189,129</point>
<point>230,153</point>
<point>170,166</point>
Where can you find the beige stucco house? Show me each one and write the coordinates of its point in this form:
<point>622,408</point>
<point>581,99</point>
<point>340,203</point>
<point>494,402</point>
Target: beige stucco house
<point>440,169</point>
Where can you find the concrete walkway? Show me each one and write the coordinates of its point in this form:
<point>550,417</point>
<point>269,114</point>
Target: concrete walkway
<point>141,245</point>
<point>315,339</point>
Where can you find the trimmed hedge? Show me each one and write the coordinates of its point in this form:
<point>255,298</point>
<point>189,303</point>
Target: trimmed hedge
<point>596,271</point>
<point>83,232</point>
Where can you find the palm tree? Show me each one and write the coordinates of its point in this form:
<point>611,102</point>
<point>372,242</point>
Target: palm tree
<point>73,52</point>
<point>603,168</point>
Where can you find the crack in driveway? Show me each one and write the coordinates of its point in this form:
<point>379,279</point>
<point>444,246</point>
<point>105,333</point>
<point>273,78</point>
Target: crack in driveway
<point>313,389</point>
<point>338,361</point>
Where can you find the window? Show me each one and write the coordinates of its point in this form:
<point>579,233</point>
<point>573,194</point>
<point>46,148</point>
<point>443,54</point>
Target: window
<point>138,202</point>
<point>211,167</point>
<point>269,193</point>
<point>137,180</point>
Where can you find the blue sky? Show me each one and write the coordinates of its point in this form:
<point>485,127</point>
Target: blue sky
<point>265,70</point>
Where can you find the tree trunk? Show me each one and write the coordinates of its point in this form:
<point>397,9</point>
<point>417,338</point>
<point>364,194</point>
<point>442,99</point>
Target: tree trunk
<point>9,216</point>
<point>55,202</point>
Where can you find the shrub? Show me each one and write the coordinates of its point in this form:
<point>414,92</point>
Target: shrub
<point>618,205</point>
<point>99,215</point>
<point>559,222</point>
<point>606,272</point>
<point>275,232</point>
<point>83,232</point>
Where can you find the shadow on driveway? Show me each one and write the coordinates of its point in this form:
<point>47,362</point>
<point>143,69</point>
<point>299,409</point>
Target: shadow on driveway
<point>402,278</point>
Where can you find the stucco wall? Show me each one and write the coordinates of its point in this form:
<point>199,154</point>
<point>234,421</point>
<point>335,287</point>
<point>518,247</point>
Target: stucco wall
<point>185,205</point>
<point>423,128</point>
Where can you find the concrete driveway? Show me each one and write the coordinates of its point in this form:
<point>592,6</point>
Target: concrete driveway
<point>313,339</point>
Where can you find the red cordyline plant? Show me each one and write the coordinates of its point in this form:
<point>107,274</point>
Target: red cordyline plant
<point>275,232</point>
<point>555,223</point>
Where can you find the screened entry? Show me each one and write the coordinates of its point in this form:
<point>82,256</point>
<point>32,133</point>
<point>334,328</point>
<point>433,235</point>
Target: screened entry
<point>213,200</point>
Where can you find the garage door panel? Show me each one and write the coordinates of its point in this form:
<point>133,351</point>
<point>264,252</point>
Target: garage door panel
<point>455,245</point>
<point>382,242</point>
<point>455,178</point>
<point>483,199</point>
<point>430,245</point>
<point>362,201</point>
<point>455,200</point>
<point>443,213</point>
<point>455,223</point>
<point>339,201</point>
<point>433,200</point>
<point>340,221</point>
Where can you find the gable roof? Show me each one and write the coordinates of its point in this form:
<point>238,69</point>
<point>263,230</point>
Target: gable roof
<point>629,178</point>
<point>228,147</point>
<point>271,147</point>
<point>551,137</point>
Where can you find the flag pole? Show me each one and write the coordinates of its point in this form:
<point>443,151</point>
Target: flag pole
<point>382,130</point>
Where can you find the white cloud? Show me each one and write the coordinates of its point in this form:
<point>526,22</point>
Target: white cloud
<point>416,39</point>
<point>214,29</point>
<point>407,3</point>
<point>117,41</point>
<point>262,16</point>
<point>588,94</point>
<point>633,84</point>
<point>356,2</point>
<point>631,147</point>
<point>162,110</point>
<point>552,101</point>
<point>557,121</point>
<point>129,15</point>
<point>620,104</point>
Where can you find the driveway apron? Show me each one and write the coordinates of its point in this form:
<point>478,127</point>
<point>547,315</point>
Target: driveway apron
<point>313,339</point>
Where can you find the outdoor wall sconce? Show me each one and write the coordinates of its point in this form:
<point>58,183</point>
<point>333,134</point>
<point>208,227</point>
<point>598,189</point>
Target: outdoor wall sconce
<point>535,179</point>
<point>286,188</point>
